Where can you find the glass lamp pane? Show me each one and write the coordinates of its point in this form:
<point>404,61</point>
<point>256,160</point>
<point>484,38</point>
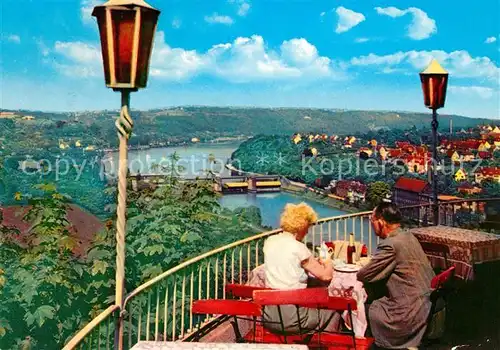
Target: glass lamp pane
<point>148,25</point>
<point>123,34</point>
<point>101,21</point>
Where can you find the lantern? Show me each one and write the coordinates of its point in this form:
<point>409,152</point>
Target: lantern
<point>434,83</point>
<point>127,30</point>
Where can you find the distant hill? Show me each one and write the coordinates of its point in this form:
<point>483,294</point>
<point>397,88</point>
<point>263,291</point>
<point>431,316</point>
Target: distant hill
<point>210,122</point>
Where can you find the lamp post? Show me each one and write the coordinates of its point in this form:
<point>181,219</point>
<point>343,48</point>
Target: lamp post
<point>126,29</point>
<point>434,81</point>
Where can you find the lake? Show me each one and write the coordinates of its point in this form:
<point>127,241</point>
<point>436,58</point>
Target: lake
<point>196,159</point>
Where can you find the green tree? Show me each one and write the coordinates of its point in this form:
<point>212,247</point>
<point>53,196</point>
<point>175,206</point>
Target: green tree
<point>377,191</point>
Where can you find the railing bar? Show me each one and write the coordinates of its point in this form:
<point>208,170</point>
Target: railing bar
<point>217,278</point>
<point>232,265</point>
<point>362,230</point>
<point>257,253</point>
<point>321,233</point>
<point>207,295</point>
<point>191,295</point>
<point>107,333</point>
<point>241,265</point>
<point>90,340</point>
<point>139,324</point>
<point>313,240</point>
<point>345,229</point>
<point>370,238</point>
<point>249,262</point>
<point>174,310</point>
<point>165,313</point>
<point>337,229</point>
<point>200,270</point>
<point>354,226</point>
<point>224,277</point>
<point>329,231</point>
<point>183,300</point>
<point>157,316</point>
<point>99,336</point>
<point>148,317</point>
<point>129,326</point>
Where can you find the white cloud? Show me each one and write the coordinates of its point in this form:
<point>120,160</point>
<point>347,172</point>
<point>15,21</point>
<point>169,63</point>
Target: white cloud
<point>174,63</point>
<point>176,23</point>
<point>77,59</point>
<point>361,40</point>
<point>347,19</point>
<point>421,26</point>
<point>246,59</point>
<point>458,63</point>
<point>216,18</point>
<point>481,91</point>
<point>243,9</point>
<point>14,38</point>
<point>322,13</point>
<point>490,40</point>
<point>86,7</point>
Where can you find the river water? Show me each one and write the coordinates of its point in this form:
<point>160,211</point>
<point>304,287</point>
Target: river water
<point>196,159</point>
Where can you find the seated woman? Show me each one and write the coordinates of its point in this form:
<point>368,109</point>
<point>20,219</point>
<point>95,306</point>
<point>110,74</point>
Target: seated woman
<point>287,261</point>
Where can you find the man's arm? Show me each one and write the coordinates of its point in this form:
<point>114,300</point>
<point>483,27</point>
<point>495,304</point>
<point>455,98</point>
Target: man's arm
<point>380,266</point>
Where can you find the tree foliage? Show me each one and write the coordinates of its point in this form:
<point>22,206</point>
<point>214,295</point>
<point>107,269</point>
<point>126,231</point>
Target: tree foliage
<point>377,191</point>
<point>48,293</point>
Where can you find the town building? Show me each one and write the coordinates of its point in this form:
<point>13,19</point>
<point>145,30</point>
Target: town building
<point>353,191</point>
<point>467,188</point>
<point>460,175</point>
<point>409,191</point>
<point>492,173</point>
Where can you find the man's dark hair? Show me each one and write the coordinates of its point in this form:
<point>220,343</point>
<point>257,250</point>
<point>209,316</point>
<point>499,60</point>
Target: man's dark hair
<point>389,213</point>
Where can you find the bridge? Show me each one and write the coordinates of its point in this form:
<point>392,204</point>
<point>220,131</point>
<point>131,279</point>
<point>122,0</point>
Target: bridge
<point>250,183</point>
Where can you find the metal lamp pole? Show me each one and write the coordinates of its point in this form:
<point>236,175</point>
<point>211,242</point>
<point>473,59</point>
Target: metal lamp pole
<point>435,201</point>
<point>127,29</point>
<point>434,81</point>
<point>124,125</point>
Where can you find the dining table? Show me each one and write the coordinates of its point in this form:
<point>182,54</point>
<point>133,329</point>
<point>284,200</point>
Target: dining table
<point>467,248</point>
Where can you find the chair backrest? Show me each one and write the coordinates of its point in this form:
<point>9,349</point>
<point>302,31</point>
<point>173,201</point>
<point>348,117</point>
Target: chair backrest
<point>439,280</point>
<point>435,247</point>
<point>308,297</point>
<point>341,304</point>
<point>242,291</point>
<point>226,307</point>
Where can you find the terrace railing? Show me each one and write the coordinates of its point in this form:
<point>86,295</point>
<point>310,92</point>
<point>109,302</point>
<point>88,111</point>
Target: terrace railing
<point>160,309</point>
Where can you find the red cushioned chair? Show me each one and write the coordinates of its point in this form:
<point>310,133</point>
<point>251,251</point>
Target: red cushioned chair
<point>437,315</point>
<point>316,298</point>
<point>238,309</point>
<point>242,291</point>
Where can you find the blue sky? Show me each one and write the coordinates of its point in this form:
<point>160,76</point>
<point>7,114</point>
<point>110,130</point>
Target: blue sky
<point>311,53</point>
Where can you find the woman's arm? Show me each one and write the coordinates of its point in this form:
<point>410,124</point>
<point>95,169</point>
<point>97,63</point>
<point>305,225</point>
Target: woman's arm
<point>321,270</point>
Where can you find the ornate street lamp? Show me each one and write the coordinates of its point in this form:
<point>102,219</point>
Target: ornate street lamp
<point>434,83</point>
<point>127,29</point>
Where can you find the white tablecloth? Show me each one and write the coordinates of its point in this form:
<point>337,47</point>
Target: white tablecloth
<point>345,284</point>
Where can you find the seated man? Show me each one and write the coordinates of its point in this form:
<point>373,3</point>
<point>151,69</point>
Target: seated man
<point>398,319</point>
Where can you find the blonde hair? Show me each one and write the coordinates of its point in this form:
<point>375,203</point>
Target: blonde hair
<point>297,217</point>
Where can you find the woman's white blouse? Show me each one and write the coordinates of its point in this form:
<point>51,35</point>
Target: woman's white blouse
<point>283,255</point>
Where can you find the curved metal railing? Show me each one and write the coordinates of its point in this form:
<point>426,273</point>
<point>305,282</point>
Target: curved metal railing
<point>160,309</point>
